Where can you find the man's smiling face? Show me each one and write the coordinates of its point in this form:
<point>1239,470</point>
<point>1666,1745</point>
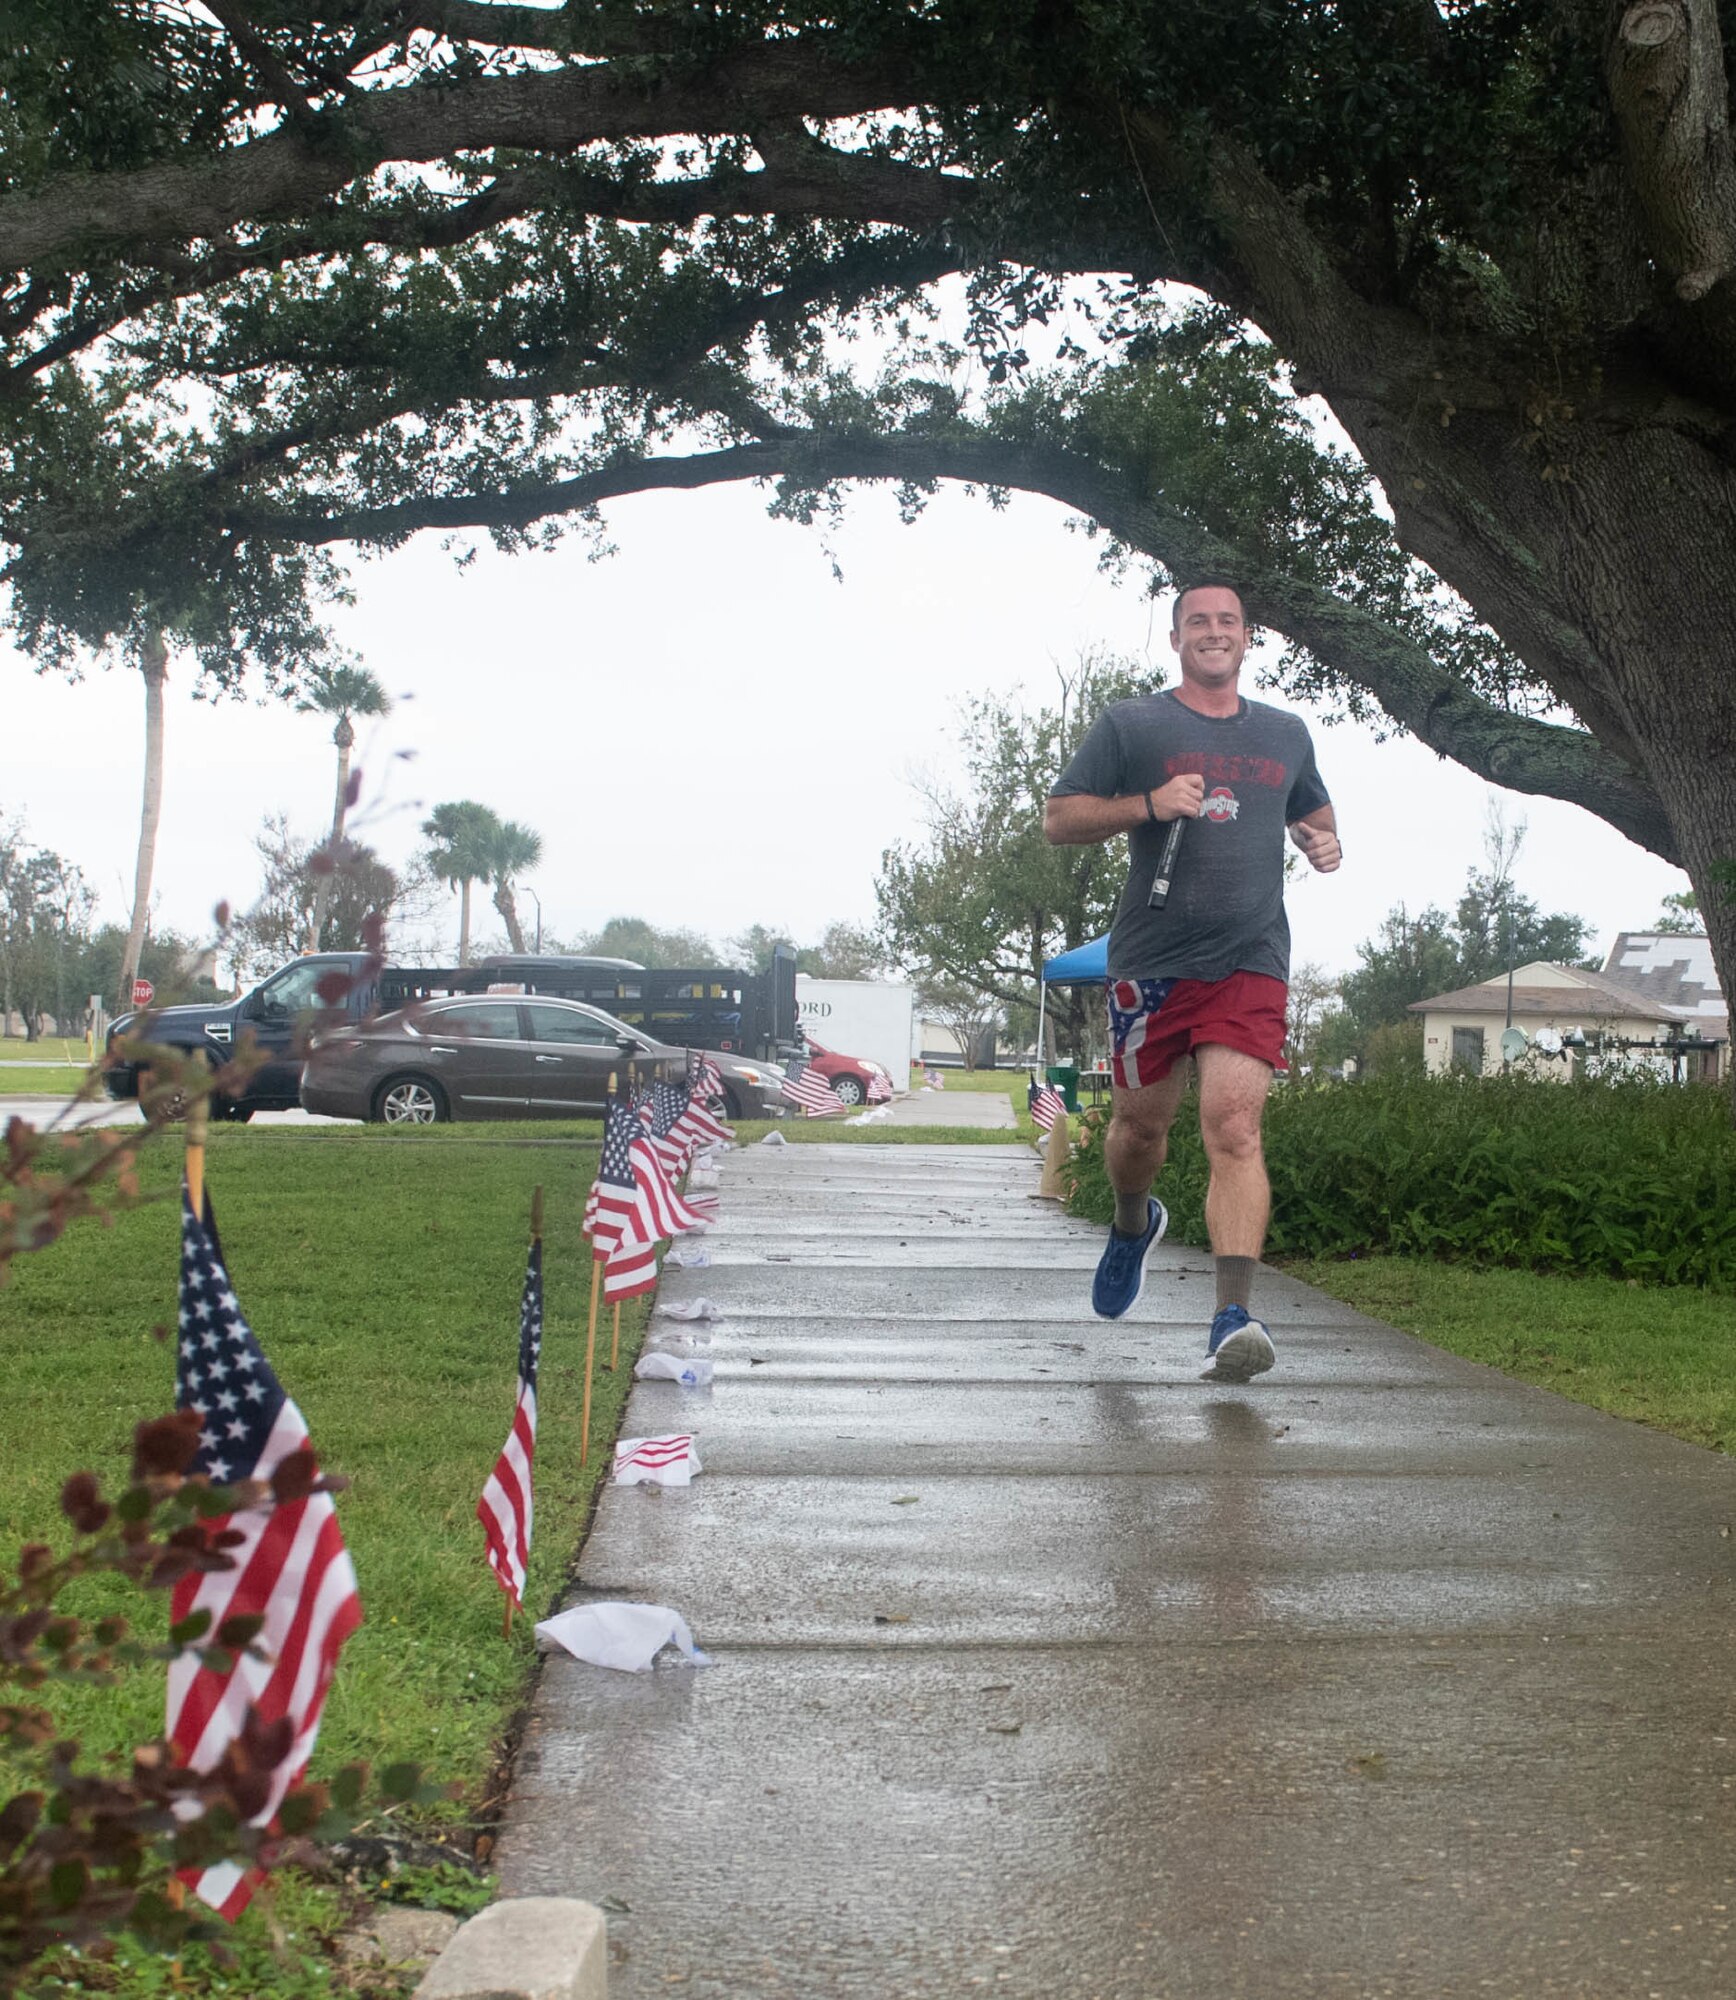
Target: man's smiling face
<point>1211,637</point>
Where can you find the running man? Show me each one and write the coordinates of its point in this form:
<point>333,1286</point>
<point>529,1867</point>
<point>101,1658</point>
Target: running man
<point>1204,975</point>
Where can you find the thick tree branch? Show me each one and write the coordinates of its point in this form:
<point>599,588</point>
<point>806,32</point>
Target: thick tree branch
<point>1671,99</point>
<point>292,170</point>
<point>1397,671</point>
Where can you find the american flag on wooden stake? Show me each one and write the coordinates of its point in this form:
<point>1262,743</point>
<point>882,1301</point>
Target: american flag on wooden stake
<point>704,1078</point>
<point>1046,1104</point>
<point>804,1085</point>
<point>670,1214</point>
<point>291,1567</point>
<point>618,1218</point>
<point>668,1105</point>
<point>505,1507</point>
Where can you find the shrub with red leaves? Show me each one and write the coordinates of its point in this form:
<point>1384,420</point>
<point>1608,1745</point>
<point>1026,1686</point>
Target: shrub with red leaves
<point>89,1850</point>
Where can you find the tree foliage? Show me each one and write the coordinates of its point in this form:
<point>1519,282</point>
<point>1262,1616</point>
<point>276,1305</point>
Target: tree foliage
<point>1680,916</point>
<point>45,918</point>
<point>844,951</point>
<point>983,900</point>
<point>324,274</point>
<point>646,944</point>
<point>358,891</point>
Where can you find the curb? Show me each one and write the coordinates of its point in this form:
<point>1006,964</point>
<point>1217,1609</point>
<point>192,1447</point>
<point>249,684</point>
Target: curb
<point>526,1948</point>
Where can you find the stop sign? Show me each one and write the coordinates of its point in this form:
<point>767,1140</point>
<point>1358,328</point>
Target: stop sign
<point>143,992</point>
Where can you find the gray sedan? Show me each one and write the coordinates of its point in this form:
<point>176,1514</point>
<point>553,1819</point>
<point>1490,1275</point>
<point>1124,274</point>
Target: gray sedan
<point>502,1056</point>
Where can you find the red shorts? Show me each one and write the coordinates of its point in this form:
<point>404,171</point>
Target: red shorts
<point>1154,1023</point>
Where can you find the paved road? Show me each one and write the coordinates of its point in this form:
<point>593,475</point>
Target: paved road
<point>1047,1670</point>
<point>40,1110</point>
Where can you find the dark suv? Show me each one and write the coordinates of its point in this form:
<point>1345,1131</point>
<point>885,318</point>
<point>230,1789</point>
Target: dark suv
<point>322,991</point>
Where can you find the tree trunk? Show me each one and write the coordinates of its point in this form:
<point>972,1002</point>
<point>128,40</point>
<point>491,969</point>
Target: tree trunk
<point>154,666</point>
<point>344,736</point>
<point>464,921</point>
<point>1650,656</point>
<point>507,905</point>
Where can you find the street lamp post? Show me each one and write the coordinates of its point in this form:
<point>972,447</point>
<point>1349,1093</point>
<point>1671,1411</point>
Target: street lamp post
<point>537,900</point>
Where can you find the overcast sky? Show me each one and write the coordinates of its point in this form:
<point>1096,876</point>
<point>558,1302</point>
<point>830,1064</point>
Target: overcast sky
<point>710,731</point>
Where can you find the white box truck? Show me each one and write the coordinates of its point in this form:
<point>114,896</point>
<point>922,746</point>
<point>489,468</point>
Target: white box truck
<point>860,1017</point>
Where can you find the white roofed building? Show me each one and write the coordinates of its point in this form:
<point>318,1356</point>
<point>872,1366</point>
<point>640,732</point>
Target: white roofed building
<point>1570,1016</point>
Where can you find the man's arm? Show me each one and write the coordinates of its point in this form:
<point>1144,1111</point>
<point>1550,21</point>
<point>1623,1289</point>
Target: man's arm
<point>1316,833</point>
<point>1077,819</point>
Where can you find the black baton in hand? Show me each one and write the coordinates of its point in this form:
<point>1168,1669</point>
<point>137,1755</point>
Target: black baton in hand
<point>1166,865</point>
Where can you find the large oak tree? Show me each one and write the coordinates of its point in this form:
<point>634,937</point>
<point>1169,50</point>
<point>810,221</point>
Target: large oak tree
<point>292,275</point>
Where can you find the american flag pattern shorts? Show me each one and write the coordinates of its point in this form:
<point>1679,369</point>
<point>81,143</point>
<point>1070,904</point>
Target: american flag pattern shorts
<point>1154,1023</point>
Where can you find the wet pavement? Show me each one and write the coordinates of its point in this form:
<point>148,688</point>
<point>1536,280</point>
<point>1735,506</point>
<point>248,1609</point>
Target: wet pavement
<point>1044,1668</point>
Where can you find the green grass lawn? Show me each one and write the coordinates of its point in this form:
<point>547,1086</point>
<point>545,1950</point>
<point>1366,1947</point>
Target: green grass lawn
<point>1659,1354</point>
<point>385,1290</point>
<point>48,1048</point>
<point>55,1081</point>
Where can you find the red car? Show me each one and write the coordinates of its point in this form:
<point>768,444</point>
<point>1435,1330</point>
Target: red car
<point>853,1079</point>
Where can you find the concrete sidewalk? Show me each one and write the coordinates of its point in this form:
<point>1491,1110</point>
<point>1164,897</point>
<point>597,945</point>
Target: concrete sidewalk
<point>1046,1669</point>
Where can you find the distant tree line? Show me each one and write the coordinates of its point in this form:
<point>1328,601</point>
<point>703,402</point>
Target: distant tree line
<point>54,955</point>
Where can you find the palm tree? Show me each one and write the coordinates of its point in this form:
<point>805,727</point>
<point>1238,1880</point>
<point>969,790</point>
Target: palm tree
<point>343,692</point>
<point>153,662</point>
<point>515,849</point>
<point>462,837</point>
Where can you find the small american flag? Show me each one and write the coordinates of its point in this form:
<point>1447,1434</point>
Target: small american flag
<point>291,1567</point>
<point>668,1136</point>
<point>804,1085</point>
<point>699,1125</point>
<point>1046,1104</point>
<point>705,1078</point>
<point>660,1461</point>
<point>670,1214</point>
<point>505,1507</point>
<point>617,1217</point>
<point>879,1088</point>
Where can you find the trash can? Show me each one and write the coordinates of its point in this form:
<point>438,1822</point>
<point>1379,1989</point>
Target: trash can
<point>1065,1076</point>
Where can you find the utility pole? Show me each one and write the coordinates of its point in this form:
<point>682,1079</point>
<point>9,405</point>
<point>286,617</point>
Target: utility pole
<point>537,900</point>
<point>1507,912</point>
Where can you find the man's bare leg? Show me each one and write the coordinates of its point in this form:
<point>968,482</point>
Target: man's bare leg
<point>1233,1090</point>
<point>1138,1143</point>
<point>1134,1150</point>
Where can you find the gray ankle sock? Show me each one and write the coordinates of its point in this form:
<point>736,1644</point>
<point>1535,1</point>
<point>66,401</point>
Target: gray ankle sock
<point>1235,1280</point>
<point>1131,1213</point>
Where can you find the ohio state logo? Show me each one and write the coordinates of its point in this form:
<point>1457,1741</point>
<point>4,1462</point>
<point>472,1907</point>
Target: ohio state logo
<point>1221,804</point>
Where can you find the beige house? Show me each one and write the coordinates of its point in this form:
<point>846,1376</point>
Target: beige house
<point>1572,1018</point>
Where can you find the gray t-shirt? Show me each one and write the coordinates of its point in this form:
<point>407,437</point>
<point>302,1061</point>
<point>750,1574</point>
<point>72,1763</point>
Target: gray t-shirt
<point>1225,911</point>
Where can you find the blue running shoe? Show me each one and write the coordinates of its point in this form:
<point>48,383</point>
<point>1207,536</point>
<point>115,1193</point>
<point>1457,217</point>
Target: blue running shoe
<point>1240,1347</point>
<point>1121,1269</point>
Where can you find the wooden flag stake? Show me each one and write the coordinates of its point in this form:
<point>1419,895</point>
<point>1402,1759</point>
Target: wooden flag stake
<point>1053,1186</point>
<point>591,1338</point>
<point>197,1125</point>
<point>536,1215</point>
<point>590,1361</point>
<point>615,1342</point>
<point>506,1624</point>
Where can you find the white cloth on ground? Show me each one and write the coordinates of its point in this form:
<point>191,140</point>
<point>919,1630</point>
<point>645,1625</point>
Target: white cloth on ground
<point>627,1637</point>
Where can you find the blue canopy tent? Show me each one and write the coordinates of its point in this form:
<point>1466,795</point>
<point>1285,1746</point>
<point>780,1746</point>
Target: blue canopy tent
<point>1084,965</point>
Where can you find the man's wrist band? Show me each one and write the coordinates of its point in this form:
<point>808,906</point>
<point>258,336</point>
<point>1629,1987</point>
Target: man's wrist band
<point>1150,809</point>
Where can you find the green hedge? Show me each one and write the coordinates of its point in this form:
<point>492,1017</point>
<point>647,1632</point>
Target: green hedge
<point>1629,1179</point>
